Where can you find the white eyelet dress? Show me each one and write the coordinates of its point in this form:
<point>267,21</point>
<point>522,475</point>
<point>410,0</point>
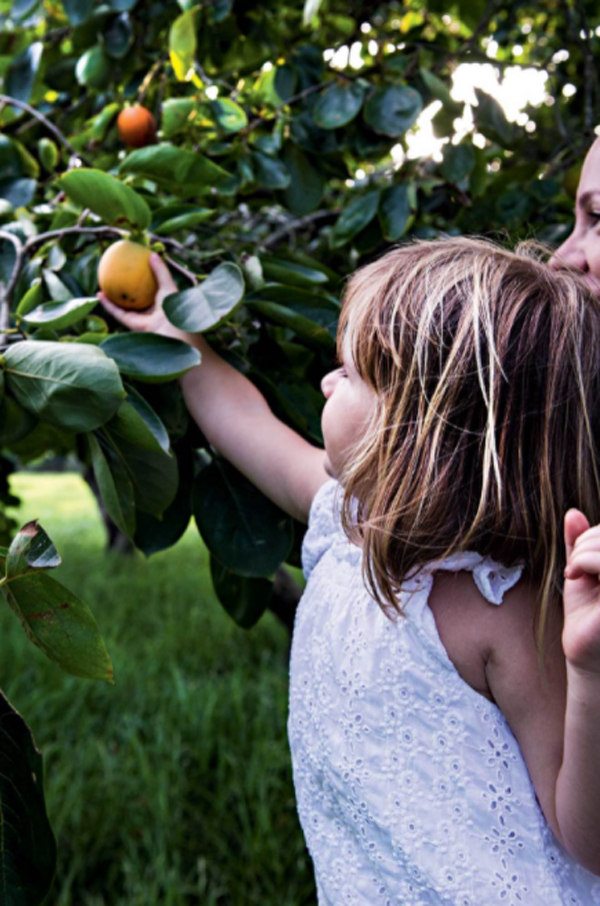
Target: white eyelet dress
<point>411,787</point>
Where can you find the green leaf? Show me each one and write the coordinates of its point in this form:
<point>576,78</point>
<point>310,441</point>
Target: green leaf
<point>173,217</point>
<point>59,292</point>
<point>30,549</point>
<point>152,473</point>
<point>152,534</point>
<point>152,421</point>
<point>394,211</point>
<point>355,217</point>
<point>441,91</point>
<point>149,357</point>
<point>458,161</point>
<point>15,422</point>
<point>245,599</point>
<point>94,69</point>
<point>269,171</point>
<point>281,270</point>
<point>59,623</point>
<point>313,317</point>
<point>71,385</point>
<point>28,851</point>
<point>178,170</point>
<point>338,105</point>
<point>205,306</point>
<point>60,314</point>
<point>119,36</point>
<point>106,196</point>
<point>32,298</point>
<point>229,115</point>
<point>177,113</point>
<point>182,45</point>
<point>491,121</point>
<point>78,11</point>
<point>103,121</point>
<point>392,110</point>
<point>116,489</point>
<point>21,73</point>
<point>306,186</point>
<point>241,527</point>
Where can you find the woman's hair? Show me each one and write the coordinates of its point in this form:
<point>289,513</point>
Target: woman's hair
<point>486,368</point>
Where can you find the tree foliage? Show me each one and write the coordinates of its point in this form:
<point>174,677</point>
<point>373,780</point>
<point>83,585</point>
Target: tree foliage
<point>280,165</point>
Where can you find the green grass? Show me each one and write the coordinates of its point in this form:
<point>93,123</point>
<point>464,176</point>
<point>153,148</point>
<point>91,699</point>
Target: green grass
<point>174,786</point>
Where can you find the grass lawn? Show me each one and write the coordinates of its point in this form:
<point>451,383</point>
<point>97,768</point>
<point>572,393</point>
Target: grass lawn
<point>174,786</point>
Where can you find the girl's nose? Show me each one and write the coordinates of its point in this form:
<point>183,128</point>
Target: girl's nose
<point>328,383</point>
<point>569,255</point>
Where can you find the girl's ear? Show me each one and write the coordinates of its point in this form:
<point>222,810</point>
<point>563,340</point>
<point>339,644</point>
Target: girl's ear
<point>575,525</point>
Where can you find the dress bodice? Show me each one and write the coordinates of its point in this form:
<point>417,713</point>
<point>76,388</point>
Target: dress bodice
<point>411,787</point>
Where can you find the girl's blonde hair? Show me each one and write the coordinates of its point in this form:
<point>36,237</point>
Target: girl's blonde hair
<point>486,430</point>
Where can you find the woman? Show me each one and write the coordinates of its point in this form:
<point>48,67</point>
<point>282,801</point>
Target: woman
<point>581,250</point>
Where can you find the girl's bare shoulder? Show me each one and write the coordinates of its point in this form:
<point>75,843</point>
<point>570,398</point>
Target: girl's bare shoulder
<point>493,649</point>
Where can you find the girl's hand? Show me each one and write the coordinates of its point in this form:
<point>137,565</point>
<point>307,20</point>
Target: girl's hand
<point>581,595</point>
<point>153,319</point>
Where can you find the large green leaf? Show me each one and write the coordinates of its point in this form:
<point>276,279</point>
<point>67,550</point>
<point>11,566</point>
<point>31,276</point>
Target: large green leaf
<point>152,473</point>
<point>173,217</point>
<point>269,171</point>
<point>106,196</point>
<point>229,115</point>
<point>206,305</point>
<point>31,549</point>
<point>312,316</point>
<point>60,314</point>
<point>78,11</point>
<point>394,211</point>
<point>149,357</point>
<point>116,489</point>
<point>15,422</point>
<point>245,599</point>
<point>59,623</point>
<point>280,270</point>
<point>339,104</point>
<point>491,121</point>
<point>150,418</point>
<point>28,850</point>
<point>130,424</point>
<point>20,75</point>
<point>458,161</point>
<point>95,68</point>
<point>153,534</point>
<point>241,527</point>
<point>71,385</point>
<point>307,184</point>
<point>182,172</point>
<point>392,110</point>
<point>182,44</point>
<point>355,217</point>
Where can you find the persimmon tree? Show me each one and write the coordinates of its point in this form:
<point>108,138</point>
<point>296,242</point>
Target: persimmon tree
<point>272,161</point>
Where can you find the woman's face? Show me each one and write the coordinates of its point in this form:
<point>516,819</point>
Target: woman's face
<point>581,250</point>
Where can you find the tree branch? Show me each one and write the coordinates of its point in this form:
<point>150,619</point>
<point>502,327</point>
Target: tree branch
<point>13,102</point>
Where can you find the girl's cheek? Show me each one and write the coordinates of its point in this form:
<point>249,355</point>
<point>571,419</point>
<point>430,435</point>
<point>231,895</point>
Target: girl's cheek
<point>593,255</point>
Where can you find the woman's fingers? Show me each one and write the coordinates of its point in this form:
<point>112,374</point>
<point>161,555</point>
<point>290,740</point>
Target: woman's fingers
<point>575,525</point>
<point>580,564</point>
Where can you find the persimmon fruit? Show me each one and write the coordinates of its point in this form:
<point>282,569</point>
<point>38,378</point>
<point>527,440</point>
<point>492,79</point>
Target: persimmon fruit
<point>125,275</point>
<point>136,126</point>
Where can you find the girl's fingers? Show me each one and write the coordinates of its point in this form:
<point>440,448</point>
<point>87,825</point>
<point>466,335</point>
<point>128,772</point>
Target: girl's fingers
<point>162,274</point>
<point>132,319</point>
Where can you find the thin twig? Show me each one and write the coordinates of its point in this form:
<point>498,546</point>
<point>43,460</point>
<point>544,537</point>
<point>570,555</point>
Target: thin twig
<point>298,224</point>
<point>182,270</point>
<point>5,99</point>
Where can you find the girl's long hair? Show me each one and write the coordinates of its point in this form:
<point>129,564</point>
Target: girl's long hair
<point>486,368</point>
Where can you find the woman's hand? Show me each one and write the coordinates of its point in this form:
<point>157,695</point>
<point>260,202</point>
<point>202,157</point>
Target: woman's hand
<point>581,595</point>
<point>153,319</point>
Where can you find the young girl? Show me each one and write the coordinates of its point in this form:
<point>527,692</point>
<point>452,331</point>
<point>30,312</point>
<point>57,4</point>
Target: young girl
<point>445,687</point>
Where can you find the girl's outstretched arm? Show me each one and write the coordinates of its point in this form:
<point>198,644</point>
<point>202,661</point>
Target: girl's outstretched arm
<point>233,415</point>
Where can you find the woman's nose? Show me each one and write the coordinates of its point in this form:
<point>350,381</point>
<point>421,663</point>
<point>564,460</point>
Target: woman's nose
<point>570,254</point>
